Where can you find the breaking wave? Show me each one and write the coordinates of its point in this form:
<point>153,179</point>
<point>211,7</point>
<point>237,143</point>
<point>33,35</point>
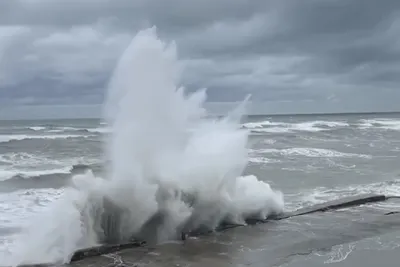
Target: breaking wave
<point>46,174</point>
<point>25,159</point>
<point>20,137</point>
<point>383,123</point>
<point>323,194</point>
<point>26,174</point>
<point>168,160</point>
<point>84,130</point>
<point>262,160</point>
<point>37,128</point>
<point>58,129</point>
<point>25,170</point>
<point>285,127</point>
<point>312,152</point>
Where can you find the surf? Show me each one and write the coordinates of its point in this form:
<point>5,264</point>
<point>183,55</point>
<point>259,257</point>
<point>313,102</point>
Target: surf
<point>171,167</point>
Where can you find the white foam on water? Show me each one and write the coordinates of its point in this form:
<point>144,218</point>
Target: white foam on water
<point>17,209</point>
<point>73,129</point>
<point>28,165</point>
<point>6,174</point>
<point>261,124</point>
<point>322,194</point>
<point>161,144</point>
<point>269,141</point>
<point>37,128</point>
<point>261,160</point>
<point>63,129</point>
<point>307,126</point>
<point>55,233</point>
<point>312,152</point>
<point>26,159</point>
<point>18,206</point>
<point>272,130</point>
<point>380,123</point>
<point>284,127</point>
<point>99,130</point>
<point>19,137</point>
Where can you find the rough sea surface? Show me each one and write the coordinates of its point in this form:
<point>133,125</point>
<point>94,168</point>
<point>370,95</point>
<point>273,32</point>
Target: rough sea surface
<point>310,158</point>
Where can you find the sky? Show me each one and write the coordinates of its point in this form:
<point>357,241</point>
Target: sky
<point>292,56</point>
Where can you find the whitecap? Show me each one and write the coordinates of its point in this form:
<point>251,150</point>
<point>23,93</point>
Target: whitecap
<point>285,127</point>
<point>6,174</point>
<point>20,137</point>
<point>37,128</point>
<point>312,152</point>
<point>384,124</point>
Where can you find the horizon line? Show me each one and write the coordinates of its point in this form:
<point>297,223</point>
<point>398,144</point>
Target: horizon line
<point>248,115</point>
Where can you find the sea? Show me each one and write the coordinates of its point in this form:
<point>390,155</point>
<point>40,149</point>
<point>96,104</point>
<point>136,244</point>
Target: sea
<point>309,158</point>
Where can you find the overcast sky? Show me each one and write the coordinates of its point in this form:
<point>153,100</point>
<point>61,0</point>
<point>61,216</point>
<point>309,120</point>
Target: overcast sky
<point>293,56</point>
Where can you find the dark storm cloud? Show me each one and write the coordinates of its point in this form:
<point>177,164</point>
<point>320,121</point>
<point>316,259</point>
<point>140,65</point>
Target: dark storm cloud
<point>318,52</point>
<point>171,14</point>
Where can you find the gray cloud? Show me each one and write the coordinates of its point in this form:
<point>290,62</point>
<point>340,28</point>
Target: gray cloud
<point>325,53</point>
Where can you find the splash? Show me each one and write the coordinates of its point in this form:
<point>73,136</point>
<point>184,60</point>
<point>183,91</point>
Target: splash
<point>172,168</point>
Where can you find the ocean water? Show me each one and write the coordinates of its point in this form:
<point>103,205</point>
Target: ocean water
<point>310,158</point>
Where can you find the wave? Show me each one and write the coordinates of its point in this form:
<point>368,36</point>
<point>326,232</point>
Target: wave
<point>380,123</point>
<point>8,175</point>
<point>261,124</point>
<point>85,130</point>
<point>25,166</point>
<point>262,160</point>
<point>37,128</point>
<point>99,130</point>
<point>285,127</point>
<point>26,174</point>
<point>23,159</point>
<point>11,181</point>
<point>20,137</point>
<point>322,194</point>
<point>64,129</point>
<point>311,152</point>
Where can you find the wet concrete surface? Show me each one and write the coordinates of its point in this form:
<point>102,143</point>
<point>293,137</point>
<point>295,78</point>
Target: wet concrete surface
<point>308,240</point>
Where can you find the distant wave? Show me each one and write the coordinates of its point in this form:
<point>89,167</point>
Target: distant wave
<point>311,152</point>
<point>28,177</point>
<point>63,129</point>
<point>322,194</point>
<point>99,130</point>
<point>22,162</point>
<point>261,124</point>
<point>10,174</point>
<point>267,126</point>
<point>19,137</point>
<point>25,159</point>
<point>260,160</point>
<point>25,169</point>
<point>284,127</point>
<point>73,130</point>
<point>37,128</point>
<point>380,123</point>
<point>86,130</point>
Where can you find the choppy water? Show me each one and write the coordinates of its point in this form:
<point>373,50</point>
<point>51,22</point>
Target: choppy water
<point>311,159</point>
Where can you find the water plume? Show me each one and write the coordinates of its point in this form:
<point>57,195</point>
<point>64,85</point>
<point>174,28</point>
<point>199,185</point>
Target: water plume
<point>172,168</point>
